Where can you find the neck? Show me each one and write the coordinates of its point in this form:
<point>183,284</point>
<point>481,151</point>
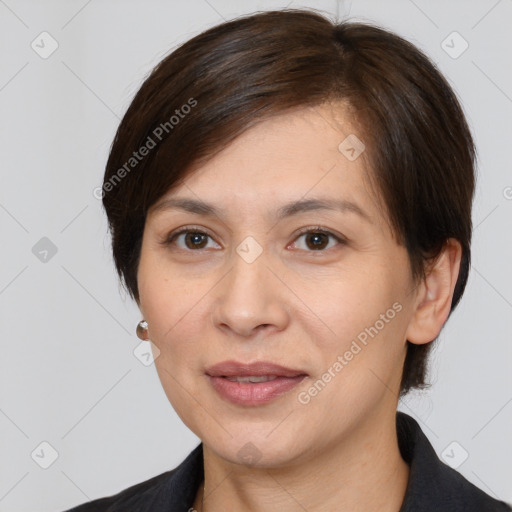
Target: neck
<point>363,472</point>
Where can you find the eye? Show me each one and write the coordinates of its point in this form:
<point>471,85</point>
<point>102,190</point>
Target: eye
<point>317,239</point>
<point>193,239</point>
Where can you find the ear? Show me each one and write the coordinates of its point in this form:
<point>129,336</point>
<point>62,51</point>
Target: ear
<point>434,295</point>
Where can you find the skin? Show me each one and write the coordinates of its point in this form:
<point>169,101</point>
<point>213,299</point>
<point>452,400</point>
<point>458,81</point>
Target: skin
<point>295,305</point>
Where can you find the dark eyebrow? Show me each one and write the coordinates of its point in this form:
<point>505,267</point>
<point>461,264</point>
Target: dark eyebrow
<point>295,207</point>
<point>308,205</point>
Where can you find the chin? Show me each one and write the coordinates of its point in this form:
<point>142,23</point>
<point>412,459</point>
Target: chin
<point>256,448</point>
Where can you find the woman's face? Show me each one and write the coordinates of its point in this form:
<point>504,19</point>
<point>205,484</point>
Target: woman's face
<point>320,288</point>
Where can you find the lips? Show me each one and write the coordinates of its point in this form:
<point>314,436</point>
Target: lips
<point>253,384</point>
<point>258,369</point>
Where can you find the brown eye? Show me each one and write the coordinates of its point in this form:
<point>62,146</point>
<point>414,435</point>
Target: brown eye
<point>195,240</point>
<point>318,240</point>
<point>190,239</point>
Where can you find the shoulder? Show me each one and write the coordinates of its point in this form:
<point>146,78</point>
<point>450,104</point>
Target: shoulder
<point>170,491</point>
<point>433,485</point>
<point>131,498</point>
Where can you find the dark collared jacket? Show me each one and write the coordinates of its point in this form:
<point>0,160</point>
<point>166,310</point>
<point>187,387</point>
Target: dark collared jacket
<point>433,486</point>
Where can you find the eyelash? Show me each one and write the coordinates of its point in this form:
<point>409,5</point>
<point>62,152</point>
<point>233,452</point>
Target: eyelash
<point>309,230</point>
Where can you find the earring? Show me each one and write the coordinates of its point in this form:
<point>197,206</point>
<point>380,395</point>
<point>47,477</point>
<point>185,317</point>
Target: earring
<point>142,330</point>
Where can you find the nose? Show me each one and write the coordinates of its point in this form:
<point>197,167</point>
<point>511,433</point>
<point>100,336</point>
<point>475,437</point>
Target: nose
<point>250,299</point>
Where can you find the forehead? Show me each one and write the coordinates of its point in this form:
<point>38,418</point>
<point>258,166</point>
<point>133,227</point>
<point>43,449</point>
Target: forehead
<point>304,153</point>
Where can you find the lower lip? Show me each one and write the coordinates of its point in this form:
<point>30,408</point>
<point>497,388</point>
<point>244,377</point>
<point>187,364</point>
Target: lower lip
<point>253,394</point>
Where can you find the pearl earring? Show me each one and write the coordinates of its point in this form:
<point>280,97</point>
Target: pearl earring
<point>142,330</point>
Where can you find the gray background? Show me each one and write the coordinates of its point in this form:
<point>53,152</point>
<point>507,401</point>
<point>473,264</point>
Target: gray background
<point>68,373</point>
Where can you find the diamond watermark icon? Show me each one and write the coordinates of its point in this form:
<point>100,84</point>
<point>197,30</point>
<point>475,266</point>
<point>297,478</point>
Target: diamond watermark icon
<point>351,147</point>
<point>44,455</point>
<point>249,454</point>
<point>454,45</point>
<point>44,45</point>
<point>249,249</point>
<point>146,352</point>
<point>44,250</point>
<point>454,455</point>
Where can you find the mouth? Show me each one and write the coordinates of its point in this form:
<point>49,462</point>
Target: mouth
<point>230,369</point>
<point>252,378</point>
<point>253,384</point>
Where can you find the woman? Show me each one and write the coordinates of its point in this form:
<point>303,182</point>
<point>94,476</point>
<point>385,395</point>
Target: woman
<point>290,207</point>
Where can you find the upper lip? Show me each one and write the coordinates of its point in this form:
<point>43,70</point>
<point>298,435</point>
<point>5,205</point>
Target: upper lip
<point>257,369</point>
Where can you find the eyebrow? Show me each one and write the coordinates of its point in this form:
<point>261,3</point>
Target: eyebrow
<point>293,208</point>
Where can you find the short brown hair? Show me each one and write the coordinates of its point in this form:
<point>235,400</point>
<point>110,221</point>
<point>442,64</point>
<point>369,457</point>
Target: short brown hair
<point>218,84</point>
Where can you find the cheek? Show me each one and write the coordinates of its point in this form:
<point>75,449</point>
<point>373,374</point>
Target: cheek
<point>166,297</point>
<point>355,301</point>
<point>171,307</point>
<point>367,319</point>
